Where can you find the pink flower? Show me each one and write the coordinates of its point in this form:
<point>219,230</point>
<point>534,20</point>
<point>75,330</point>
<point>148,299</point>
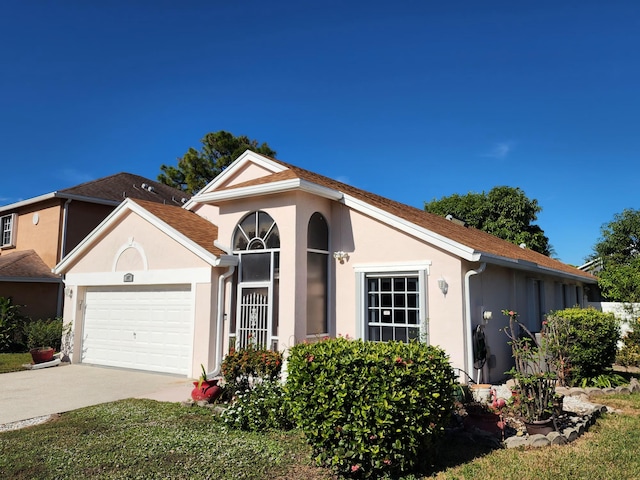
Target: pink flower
<point>355,468</point>
<point>386,461</point>
<point>310,358</point>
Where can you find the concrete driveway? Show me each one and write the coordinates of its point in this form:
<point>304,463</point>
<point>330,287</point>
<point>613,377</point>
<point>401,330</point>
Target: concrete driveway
<point>33,393</point>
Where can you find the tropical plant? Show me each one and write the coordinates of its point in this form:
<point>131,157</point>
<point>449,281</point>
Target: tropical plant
<point>44,333</point>
<point>244,367</point>
<point>11,321</point>
<point>629,354</point>
<point>534,381</point>
<point>582,343</point>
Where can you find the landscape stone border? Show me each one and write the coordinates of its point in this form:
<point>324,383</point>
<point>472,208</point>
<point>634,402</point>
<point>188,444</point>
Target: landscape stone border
<point>576,401</point>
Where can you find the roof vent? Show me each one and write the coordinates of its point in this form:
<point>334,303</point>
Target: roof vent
<point>150,188</point>
<point>144,186</point>
<point>523,245</point>
<point>453,219</point>
<point>183,200</point>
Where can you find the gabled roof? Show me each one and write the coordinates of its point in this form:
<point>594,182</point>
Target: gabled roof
<point>191,230</point>
<point>112,190</point>
<point>466,242</point>
<point>25,266</point>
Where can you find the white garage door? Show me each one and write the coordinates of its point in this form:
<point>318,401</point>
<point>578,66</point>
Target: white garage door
<point>145,328</point>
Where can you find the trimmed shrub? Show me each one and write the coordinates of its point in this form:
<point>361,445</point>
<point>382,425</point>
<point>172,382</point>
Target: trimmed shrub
<point>370,409</point>
<point>243,367</point>
<point>261,408</point>
<point>11,325</point>
<point>587,340</point>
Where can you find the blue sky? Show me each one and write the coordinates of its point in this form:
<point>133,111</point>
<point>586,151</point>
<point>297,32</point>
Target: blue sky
<point>412,100</point>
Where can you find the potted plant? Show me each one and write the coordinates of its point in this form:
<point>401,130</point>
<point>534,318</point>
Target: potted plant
<point>43,338</point>
<point>535,383</point>
<point>205,389</point>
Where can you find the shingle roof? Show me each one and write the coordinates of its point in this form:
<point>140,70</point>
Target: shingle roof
<point>24,264</point>
<point>189,224</point>
<point>478,240</point>
<point>124,185</point>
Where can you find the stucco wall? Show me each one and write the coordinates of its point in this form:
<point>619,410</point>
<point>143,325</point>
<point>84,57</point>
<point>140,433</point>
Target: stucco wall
<point>42,237</point>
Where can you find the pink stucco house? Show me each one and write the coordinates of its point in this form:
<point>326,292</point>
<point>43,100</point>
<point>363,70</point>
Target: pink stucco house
<point>272,254</point>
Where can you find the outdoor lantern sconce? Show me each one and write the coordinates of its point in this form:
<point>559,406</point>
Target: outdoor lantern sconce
<point>341,256</point>
<point>443,286</point>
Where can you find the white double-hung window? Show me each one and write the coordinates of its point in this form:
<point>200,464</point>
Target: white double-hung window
<point>8,230</point>
<point>393,302</point>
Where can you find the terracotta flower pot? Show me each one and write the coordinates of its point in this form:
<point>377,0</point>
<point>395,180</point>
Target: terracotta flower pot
<point>41,355</point>
<point>208,390</point>
<point>542,427</point>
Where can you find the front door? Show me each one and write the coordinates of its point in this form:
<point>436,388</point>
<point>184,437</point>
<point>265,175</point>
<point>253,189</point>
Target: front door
<point>254,316</point>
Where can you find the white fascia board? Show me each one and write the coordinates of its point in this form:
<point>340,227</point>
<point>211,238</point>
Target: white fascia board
<point>422,265</point>
<point>130,206</point>
<point>49,196</point>
<point>247,157</point>
<point>410,228</point>
<point>91,238</point>
<point>271,188</point>
<point>183,240</point>
<point>531,267</point>
<point>28,201</point>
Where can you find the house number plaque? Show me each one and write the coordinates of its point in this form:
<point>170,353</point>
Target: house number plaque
<point>128,277</point>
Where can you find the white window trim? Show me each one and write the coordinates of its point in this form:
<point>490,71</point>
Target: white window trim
<point>12,240</point>
<point>419,268</point>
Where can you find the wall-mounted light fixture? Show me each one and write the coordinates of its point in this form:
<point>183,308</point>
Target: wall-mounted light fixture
<point>487,315</point>
<point>341,256</point>
<point>443,286</point>
<point>68,292</point>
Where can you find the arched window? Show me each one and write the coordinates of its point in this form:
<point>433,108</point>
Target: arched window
<point>256,241</point>
<point>317,274</point>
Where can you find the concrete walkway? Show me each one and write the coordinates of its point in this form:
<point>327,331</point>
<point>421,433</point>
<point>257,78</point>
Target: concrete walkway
<point>33,393</point>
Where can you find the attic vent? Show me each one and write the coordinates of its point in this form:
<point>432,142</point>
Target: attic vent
<point>146,186</point>
<point>453,219</point>
<point>183,200</point>
<point>523,245</point>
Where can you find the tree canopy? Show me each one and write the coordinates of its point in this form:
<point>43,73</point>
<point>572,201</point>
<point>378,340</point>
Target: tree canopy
<point>505,212</point>
<point>196,168</point>
<point>618,250</point>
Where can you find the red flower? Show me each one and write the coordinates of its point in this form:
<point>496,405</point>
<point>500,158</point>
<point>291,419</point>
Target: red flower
<point>355,468</point>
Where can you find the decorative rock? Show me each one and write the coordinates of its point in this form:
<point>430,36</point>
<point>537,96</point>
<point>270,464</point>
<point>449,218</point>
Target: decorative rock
<point>576,391</point>
<point>570,434</point>
<point>596,393</point>
<point>623,390</point>
<point>592,390</point>
<point>580,428</point>
<point>608,391</point>
<point>515,442</point>
<point>556,439</point>
<point>562,390</point>
<point>539,441</point>
<point>634,385</point>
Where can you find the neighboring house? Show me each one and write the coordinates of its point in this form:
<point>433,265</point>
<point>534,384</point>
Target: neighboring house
<point>272,254</point>
<point>39,231</point>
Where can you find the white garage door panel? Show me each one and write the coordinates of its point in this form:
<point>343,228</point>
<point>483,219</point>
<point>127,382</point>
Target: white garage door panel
<point>146,328</point>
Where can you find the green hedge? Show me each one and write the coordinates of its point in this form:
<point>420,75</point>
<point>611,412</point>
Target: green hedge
<point>242,367</point>
<point>369,409</point>
<point>589,339</point>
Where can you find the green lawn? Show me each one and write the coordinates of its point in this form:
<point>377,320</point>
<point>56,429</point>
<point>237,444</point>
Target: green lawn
<point>12,362</point>
<point>148,439</point>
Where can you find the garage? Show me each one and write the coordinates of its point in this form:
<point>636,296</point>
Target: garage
<point>139,327</point>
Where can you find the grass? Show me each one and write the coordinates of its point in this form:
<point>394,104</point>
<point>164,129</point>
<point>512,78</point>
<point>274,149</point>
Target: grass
<point>12,362</point>
<point>148,439</point>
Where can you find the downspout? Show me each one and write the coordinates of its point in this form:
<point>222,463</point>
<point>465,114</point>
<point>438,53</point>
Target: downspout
<point>63,251</point>
<point>467,316</point>
<point>219,330</point>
